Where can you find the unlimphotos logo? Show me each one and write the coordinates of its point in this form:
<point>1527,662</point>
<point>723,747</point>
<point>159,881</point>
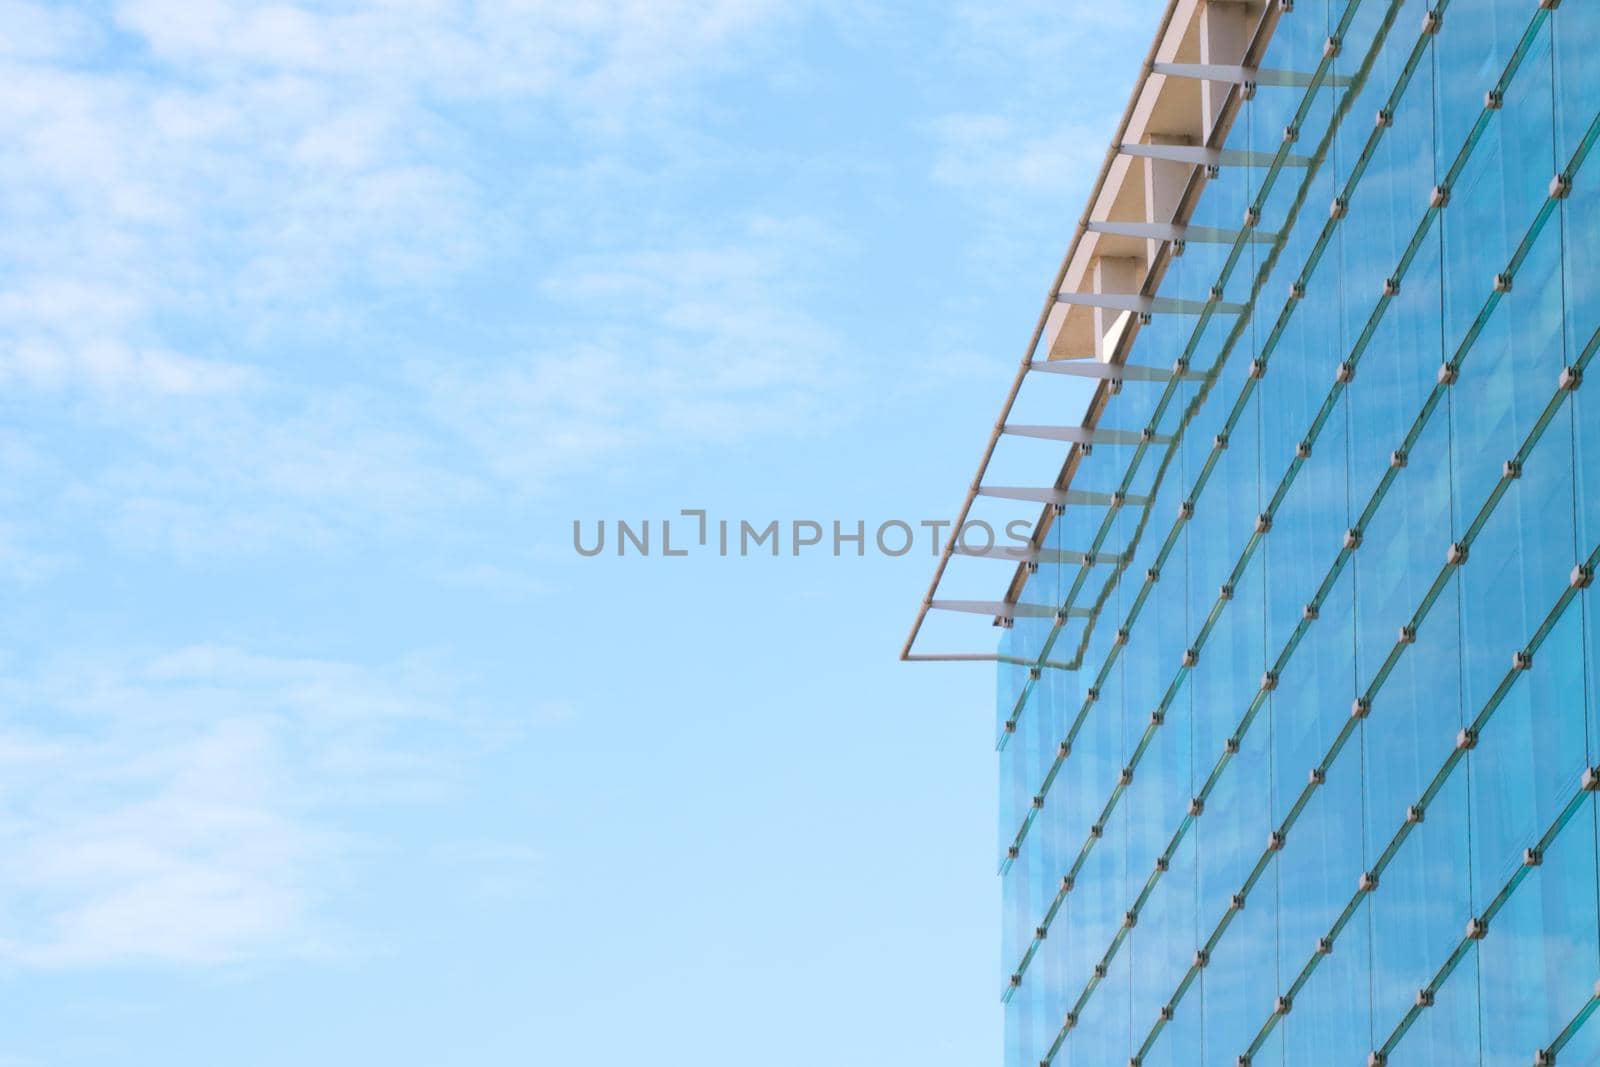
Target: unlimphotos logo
<point>775,537</point>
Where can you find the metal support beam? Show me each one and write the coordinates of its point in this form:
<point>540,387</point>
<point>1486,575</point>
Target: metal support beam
<point>1058,496</point>
<point>1082,435</point>
<point>1208,157</point>
<point>1147,305</point>
<point>983,657</point>
<point>1007,554</point>
<point>1236,75</point>
<point>1171,231</point>
<point>1004,610</point>
<point>1117,372</point>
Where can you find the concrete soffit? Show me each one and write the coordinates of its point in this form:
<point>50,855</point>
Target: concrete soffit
<point>1144,188</point>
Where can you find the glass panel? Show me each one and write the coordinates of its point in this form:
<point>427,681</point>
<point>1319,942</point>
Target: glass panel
<point>1418,914</point>
<point>1541,945</point>
<point>1330,1021</point>
<point>1361,534</point>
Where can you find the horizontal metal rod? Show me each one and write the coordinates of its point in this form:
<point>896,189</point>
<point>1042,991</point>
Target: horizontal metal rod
<point>1035,555</point>
<point>1002,609</point>
<point>1116,372</point>
<point>1172,231</point>
<point>1083,435</point>
<point>1057,496</point>
<point>1212,157</point>
<point>1146,305</point>
<point>1237,75</point>
<point>983,657</point>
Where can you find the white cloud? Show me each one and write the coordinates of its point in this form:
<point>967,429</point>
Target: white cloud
<point>494,872</point>
<point>37,32</point>
<point>275,470</point>
<point>108,366</point>
<point>192,187</point>
<point>20,561</point>
<point>186,807</point>
<point>590,51</point>
<point>1067,68</point>
<point>674,347</point>
<point>501,582</point>
<point>243,161</point>
<point>1002,156</point>
<point>1048,32</point>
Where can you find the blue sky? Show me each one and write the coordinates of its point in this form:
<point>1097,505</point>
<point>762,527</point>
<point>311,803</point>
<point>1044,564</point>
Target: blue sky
<point>320,324</point>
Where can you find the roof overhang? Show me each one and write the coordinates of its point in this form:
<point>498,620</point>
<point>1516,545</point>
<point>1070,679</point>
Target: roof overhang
<point>1202,65</point>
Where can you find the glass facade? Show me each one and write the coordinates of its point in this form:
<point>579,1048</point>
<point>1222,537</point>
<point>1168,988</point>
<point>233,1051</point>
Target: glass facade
<point>1302,774</point>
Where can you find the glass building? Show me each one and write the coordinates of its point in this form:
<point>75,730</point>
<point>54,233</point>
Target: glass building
<point>1299,673</point>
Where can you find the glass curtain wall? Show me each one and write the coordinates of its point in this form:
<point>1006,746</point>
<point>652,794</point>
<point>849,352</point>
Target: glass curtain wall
<point>1313,784</point>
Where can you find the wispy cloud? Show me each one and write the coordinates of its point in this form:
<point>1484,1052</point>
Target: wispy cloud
<point>1001,156</point>
<point>202,197</point>
<point>495,872</point>
<point>1043,33</point>
<point>1066,69</point>
<point>290,470</point>
<point>245,160</point>
<point>672,347</point>
<point>592,52</point>
<point>20,560</point>
<point>716,344</point>
<point>188,807</point>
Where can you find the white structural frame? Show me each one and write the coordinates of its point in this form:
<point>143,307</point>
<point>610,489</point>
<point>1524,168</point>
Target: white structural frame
<point>1167,140</point>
